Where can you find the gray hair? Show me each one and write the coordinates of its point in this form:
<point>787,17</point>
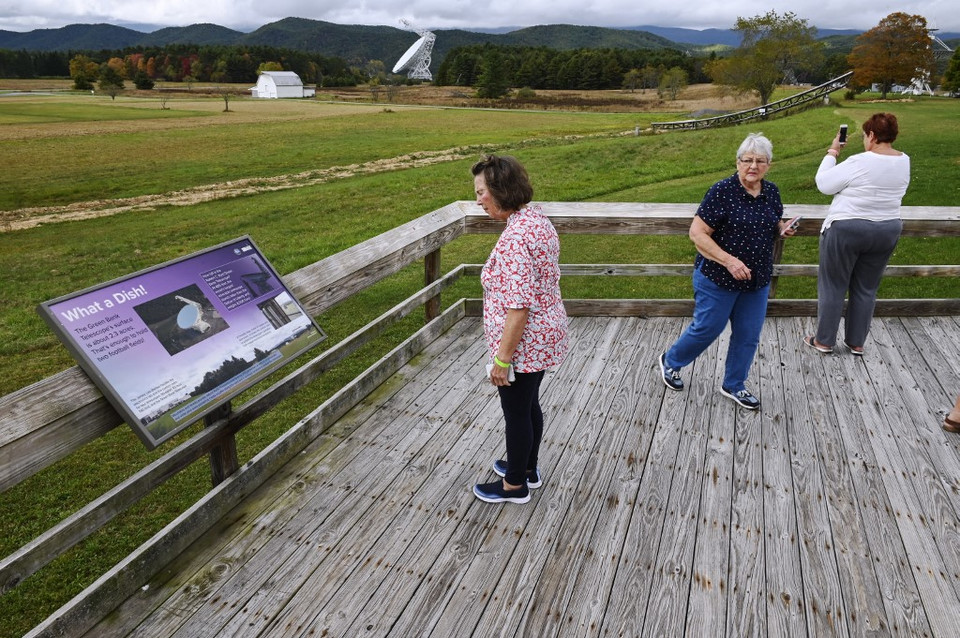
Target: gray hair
<point>758,144</point>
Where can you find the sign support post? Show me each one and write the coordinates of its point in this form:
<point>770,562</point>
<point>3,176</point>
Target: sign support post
<point>223,456</point>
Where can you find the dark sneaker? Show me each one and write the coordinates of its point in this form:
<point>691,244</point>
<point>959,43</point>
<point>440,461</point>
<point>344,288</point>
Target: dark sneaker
<point>534,480</point>
<point>671,377</point>
<point>494,493</point>
<point>743,397</point>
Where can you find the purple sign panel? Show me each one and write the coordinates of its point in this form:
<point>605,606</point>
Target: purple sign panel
<point>170,344</point>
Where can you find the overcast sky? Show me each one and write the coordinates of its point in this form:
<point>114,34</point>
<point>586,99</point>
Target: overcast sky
<point>246,15</point>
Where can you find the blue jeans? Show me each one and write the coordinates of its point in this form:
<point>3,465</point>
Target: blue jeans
<point>713,307</point>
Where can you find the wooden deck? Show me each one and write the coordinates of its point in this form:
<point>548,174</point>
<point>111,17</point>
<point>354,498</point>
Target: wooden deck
<point>832,511</point>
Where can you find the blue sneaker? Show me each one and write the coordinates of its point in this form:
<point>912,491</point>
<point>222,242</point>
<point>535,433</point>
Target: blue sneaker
<point>534,480</point>
<point>671,377</point>
<point>494,493</point>
<point>742,397</point>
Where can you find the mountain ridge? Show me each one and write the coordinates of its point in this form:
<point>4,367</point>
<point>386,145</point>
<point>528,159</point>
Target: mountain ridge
<point>353,43</point>
<point>365,42</point>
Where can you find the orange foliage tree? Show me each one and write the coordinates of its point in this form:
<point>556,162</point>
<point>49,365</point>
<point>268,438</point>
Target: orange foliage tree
<point>896,51</point>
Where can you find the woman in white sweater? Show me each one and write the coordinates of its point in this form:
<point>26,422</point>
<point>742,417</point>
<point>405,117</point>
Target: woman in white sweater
<point>860,232</point>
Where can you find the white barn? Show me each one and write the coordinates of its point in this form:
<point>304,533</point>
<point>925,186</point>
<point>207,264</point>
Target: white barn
<point>278,84</point>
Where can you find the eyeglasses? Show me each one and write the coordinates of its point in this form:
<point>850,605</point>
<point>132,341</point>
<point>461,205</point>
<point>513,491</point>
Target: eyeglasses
<point>759,161</point>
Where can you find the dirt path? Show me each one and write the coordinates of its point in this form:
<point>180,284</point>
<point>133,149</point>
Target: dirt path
<point>697,96</point>
<point>24,218</point>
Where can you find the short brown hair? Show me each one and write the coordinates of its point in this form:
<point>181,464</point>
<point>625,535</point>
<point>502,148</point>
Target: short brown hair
<point>506,179</point>
<point>883,126</point>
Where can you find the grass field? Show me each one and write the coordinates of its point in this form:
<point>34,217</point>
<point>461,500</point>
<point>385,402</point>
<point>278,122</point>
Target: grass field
<point>83,152</point>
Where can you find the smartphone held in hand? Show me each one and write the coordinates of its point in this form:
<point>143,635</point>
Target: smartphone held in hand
<point>792,224</point>
<point>511,377</point>
<point>843,134</point>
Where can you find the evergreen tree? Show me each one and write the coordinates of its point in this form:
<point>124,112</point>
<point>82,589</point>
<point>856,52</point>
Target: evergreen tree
<point>142,81</point>
<point>951,79</point>
<point>492,83</point>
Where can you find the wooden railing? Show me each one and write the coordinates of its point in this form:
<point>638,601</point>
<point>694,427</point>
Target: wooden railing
<point>49,420</point>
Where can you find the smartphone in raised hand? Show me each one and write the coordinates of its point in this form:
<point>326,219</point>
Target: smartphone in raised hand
<point>791,225</point>
<point>843,134</point>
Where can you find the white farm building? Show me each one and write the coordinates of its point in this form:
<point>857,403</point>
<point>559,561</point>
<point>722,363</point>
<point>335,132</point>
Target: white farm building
<point>277,84</point>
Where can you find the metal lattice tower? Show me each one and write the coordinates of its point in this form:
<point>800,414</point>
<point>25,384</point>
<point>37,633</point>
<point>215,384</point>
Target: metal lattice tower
<point>418,63</point>
<point>921,83</point>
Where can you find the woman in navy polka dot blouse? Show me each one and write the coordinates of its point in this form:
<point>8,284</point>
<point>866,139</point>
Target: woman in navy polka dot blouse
<point>734,231</point>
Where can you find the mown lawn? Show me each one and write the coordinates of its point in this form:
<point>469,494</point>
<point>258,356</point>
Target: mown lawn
<point>570,156</point>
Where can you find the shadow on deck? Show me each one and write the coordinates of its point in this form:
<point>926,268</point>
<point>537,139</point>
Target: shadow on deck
<point>832,511</point>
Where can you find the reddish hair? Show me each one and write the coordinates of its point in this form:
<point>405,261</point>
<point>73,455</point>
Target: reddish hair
<point>883,126</point>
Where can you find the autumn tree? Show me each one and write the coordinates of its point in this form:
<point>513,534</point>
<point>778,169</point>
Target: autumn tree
<point>83,72</point>
<point>894,52</point>
<point>118,65</point>
<point>772,48</point>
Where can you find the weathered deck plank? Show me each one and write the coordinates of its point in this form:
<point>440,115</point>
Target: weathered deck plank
<point>705,491</point>
<point>783,571</point>
<point>832,512</point>
<point>578,549</point>
<point>480,442</point>
<point>636,565</point>
<point>497,579</point>
<point>635,408</point>
<point>854,402</point>
<point>747,582</point>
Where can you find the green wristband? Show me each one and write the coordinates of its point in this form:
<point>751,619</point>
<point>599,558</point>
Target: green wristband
<point>500,363</point>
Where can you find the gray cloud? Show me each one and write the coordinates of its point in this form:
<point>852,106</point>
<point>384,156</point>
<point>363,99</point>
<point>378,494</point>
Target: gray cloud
<point>26,15</point>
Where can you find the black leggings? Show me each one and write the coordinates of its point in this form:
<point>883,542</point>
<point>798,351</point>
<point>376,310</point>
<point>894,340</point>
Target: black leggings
<point>524,424</point>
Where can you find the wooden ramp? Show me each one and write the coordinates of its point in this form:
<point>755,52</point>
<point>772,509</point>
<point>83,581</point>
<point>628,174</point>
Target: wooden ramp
<point>831,512</point>
<point>795,102</point>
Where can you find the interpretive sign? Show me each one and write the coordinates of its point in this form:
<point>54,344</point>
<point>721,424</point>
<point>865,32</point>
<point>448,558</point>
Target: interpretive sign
<point>170,344</point>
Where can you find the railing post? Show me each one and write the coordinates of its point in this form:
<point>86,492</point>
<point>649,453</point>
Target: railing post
<point>777,256</point>
<point>431,273</point>
<point>223,456</point>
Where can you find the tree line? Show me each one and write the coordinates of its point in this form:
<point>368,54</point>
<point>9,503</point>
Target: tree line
<point>775,49</point>
<point>576,69</point>
<point>179,63</point>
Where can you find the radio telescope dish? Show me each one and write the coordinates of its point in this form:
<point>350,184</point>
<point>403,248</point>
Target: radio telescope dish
<point>404,62</point>
<point>416,60</point>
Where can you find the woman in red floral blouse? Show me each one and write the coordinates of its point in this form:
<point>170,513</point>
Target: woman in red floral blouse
<point>524,321</point>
